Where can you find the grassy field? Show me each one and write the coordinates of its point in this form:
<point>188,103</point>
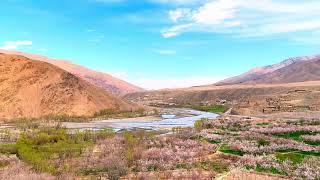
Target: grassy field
<point>43,147</point>
<point>213,109</point>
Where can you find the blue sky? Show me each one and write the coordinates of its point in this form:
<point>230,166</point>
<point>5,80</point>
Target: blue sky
<point>163,43</point>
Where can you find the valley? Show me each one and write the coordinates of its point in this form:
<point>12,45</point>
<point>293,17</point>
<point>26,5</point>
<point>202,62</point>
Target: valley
<point>57,125</point>
<point>160,90</point>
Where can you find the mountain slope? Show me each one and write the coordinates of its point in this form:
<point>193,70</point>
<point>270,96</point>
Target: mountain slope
<point>291,70</point>
<point>30,88</point>
<point>103,80</point>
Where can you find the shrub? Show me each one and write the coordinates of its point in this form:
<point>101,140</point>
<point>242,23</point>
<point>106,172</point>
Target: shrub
<point>41,148</point>
<point>8,149</point>
<point>198,125</point>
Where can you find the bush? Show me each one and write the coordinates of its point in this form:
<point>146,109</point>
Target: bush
<point>43,147</point>
<point>130,139</point>
<point>8,149</point>
<point>198,125</point>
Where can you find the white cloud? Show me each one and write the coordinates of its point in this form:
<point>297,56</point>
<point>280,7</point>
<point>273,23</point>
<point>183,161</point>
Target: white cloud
<point>176,30</point>
<point>154,84</point>
<point>246,18</point>
<point>178,14</point>
<point>282,7</point>
<point>215,12</point>
<point>13,45</point>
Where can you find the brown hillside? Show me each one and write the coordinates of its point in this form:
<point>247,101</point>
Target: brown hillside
<point>100,79</point>
<point>297,72</point>
<point>30,88</point>
<point>292,70</point>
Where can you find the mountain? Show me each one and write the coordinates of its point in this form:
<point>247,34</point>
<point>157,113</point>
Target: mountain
<point>100,79</point>
<point>292,70</point>
<point>30,88</point>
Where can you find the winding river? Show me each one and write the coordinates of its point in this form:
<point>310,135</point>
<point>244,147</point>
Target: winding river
<point>177,118</point>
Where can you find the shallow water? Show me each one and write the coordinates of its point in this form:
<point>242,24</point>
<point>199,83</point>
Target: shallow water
<point>167,121</point>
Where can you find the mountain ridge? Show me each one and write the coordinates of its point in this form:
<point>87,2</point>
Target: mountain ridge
<point>103,80</point>
<point>30,88</point>
<point>265,74</point>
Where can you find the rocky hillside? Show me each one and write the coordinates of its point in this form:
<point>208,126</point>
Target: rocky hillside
<point>100,79</point>
<point>292,70</point>
<point>30,88</point>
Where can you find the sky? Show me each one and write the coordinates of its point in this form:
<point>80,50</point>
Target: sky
<point>159,44</point>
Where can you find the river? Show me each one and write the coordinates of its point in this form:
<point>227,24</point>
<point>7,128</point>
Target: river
<point>176,118</point>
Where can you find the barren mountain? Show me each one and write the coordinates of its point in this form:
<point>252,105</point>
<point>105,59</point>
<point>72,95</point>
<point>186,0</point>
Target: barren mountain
<point>298,69</point>
<point>100,79</point>
<point>30,88</point>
